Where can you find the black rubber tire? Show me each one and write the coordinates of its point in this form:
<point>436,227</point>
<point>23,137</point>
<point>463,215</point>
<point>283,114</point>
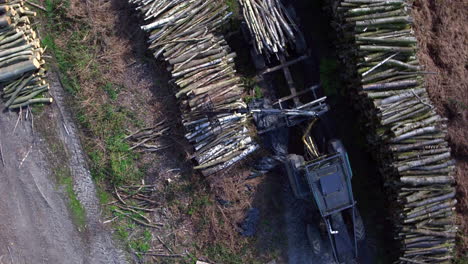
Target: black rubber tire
<point>258,60</point>
<point>293,163</point>
<point>245,32</point>
<point>291,12</point>
<point>336,146</point>
<point>320,245</point>
<point>359,226</point>
<point>315,239</point>
<point>301,46</point>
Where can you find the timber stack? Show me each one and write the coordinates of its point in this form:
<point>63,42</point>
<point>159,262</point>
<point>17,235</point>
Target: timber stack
<point>408,137</point>
<point>270,25</point>
<point>22,76</point>
<point>209,91</point>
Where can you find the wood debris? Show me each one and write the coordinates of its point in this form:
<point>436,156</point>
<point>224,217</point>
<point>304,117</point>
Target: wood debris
<point>183,33</point>
<point>408,136</point>
<point>149,139</point>
<point>22,76</point>
<point>134,202</point>
<point>270,25</point>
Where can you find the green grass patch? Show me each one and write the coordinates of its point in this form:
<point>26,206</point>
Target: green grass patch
<point>77,210</point>
<point>221,254</point>
<point>199,204</point>
<point>251,85</point>
<point>69,39</point>
<point>461,260</point>
<point>111,90</point>
<point>329,77</point>
<point>139,243</point>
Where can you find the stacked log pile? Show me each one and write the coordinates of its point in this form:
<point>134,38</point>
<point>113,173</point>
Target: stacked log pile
<point>183,33</point>
<point>270,25</point>
<point>378,49</point>
<point>22,77</point>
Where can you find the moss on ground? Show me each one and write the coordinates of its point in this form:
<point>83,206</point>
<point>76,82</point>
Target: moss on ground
<point>59,160</point>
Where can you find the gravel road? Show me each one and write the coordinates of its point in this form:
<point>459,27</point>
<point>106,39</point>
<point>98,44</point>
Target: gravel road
<point>35,223</point>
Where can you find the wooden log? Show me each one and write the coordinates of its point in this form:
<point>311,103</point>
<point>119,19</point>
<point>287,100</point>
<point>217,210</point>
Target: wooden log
<point>387,20</point>
<point>375,48</point>
<point>401,96</point>
<point>433,199</point>
<point>15,70</point>
<point>4,8</point>
<point>5,21</point>
<point>434,233</point>
<point>416,132</point>
<point>425,209</point>
<point>391,85</point>
<point>418,181</point>
<point>32,101</point>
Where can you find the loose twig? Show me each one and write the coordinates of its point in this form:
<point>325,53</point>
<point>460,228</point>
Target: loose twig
<point>36,5</point>
<point>27,154</point>
<point>1,154</point>
<point>164,244</point>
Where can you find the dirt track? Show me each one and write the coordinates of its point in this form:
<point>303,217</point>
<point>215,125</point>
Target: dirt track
<point>35,223</point>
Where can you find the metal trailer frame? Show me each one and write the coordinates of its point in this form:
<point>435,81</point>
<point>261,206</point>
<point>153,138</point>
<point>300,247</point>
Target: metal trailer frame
<point>315,172</point>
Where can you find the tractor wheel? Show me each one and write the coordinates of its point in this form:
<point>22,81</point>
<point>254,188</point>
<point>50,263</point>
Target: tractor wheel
<point>321,249</point>
<point>315,240</point>
<point>359,226</point>
<point>294,162</point>
<point>292,13</point>
<point>335,145</point>
<point>245,32</point>
<point>258,60</point>
<point>301,46</point>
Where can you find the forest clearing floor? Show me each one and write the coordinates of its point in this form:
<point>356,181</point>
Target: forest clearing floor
<point>115,87</point>
<point>443,49</point>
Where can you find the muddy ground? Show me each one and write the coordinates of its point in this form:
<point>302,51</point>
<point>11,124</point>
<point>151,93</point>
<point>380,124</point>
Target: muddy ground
<point>442,31</point>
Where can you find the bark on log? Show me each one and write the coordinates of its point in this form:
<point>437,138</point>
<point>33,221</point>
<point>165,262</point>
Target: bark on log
<point>16,70</point>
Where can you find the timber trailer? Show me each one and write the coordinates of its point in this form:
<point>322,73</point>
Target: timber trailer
<point>323,173</point>
<point>325,178</point>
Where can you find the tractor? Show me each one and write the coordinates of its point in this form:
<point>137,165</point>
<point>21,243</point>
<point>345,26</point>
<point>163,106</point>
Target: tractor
<point>323,175</point>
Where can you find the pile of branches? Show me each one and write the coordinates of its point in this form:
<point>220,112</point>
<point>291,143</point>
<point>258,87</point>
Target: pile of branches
<point>270,25</point>
<point>378,49</point>
<point>22,78</point>
<point>149,139</point>
<point>209,91</point>
<point>135,202</point>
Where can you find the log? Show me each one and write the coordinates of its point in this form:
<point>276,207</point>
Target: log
<point>15,70</point>
<point>417,181</point>
<point>377,49</point>
<point>201,65</point>
<point>434,233</point>
<point>391,85</point>
<point>433,199</point>
<point>5,21</point>
<point>32,101</point>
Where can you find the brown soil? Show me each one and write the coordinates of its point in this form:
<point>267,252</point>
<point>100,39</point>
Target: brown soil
<point>441,28</point>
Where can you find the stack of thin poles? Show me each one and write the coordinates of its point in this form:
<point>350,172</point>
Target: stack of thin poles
<point>378,49</point>
<point>209,91</point>
<point>269,24</point>
<point>22,78</point>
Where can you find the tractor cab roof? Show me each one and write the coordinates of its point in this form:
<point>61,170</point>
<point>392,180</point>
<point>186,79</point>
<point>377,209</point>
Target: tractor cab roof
<point>329,181</point>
